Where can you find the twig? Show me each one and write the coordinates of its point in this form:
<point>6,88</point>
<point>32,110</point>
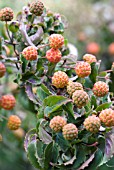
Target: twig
<point>42,46</point>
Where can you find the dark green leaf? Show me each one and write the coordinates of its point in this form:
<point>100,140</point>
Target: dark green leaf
<point>31,153</point>
<point>103,106</point>
<point>94,72</point>
<point>44,136</point>
<point>51,154</point>
<point>94,102</point>
<point>64,144</point>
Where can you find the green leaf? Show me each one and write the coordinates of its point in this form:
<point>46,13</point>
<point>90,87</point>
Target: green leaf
<point>42,92</point>
<point>14,26</point>
<point>31,153</point>
<point>51,154</point>
<point>53,103</point>
<point>109,147</point>
<point>96,161</point>
<point>40,153</point>
<point>64,144</point>
<point>94,72</point>
<point>88,83</point>
<point>80,157</point>
<point>69,109</point>
<point>103,106</point>
<point>44,136</point>
<point>94,102</point>
<point>55,100</point>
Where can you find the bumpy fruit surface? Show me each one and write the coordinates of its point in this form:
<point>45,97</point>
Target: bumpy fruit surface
<point>80,98</point>
<point>107,117</point>
<point>60,79</point>
<point>92,124</point>
<point>37,8</point>
<point>8,102</point>
<point>2,69</point>
<point>57,123</point>
<point>56,41</point>
<point>70,131</point>
<point>73,86</point>
<point>30,53</point>
<point>14,122</point>
<point>6,14</point>
<point>19,133</point>
<point>89,58</point>
<point>100,89</point>
<point>83,69</point>
<point>53,55</point>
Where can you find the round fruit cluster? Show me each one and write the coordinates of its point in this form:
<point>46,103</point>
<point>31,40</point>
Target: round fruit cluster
<point>69,130</point>
<point>91,123</point>
<point>56,41</point>
<point>8,102</point>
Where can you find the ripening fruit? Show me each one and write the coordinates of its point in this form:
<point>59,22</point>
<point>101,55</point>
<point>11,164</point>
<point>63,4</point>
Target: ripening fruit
<point>30,53</point>
<point>6,14</point>
<point>83,69</point>
<point>93,48</point>
<point>107,117</point>
<point>37,8</point>
<point>14,122</point>
<point>2,69</point>
<point>89,58</point>
<point>56,41</point>
<point>53,55</point>
<point>100,89</point>
<point>19,133</point>
<point>80,98</point>
<point>60,79</point>
<point>73,86</point>
<point>8,102</point>
<point>111,48</point>
<point>70,131</point>
<point>92,124</point>
<point>57,123</point>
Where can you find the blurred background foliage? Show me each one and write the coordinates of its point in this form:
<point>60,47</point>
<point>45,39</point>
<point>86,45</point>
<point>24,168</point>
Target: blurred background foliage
<point>88,21</point>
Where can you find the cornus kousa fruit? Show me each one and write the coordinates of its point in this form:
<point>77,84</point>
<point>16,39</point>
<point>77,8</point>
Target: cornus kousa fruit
<point>60,79</point>
<point>92,124</point>
<point>37,8</point>
<point>70,131</point>
<point>83,69</point>
<point>100,89</point>
<point>2,69</point>
<point>107,117</point>
<point>89,58</point>
<point>14,122</point>
<point>57,123</point>
<point>80,98</point>
<point>8,102</point>
<point>6,14</point>
<point>56,41</point>
<point>30,53</point>
<point>73,86</point>
<point>53,55</point>
<point>93,48</point>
